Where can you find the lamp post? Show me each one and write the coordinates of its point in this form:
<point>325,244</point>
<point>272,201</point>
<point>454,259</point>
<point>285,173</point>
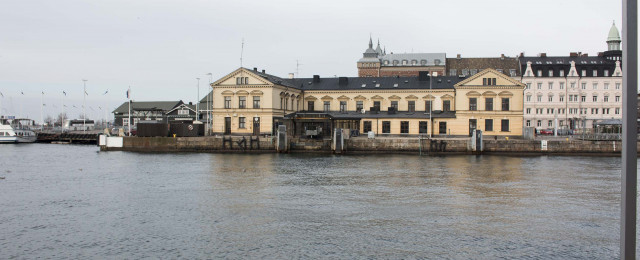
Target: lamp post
<point>430,105</point>
<point>209,102</point>
<point>84,104</point>
<point>197,100</point>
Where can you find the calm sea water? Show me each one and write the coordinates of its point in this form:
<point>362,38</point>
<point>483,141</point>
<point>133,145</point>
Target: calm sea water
<point>66,201</point>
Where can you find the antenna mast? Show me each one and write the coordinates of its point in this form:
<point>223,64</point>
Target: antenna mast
<point>241,52</point>
<point>298,68</point>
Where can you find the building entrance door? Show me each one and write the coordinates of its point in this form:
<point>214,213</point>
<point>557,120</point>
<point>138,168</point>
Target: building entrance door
<point>256,126</point>
<point>227,125</point>
<point>473,124</point>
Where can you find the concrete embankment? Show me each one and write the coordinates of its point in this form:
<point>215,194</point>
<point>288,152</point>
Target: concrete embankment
<point>238,144</point>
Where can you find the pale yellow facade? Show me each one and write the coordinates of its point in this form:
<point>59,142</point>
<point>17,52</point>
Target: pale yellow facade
<point>277,100</point>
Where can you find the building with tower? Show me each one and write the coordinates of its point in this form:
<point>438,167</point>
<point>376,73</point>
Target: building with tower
<point>377,63</point>
<point>576,91</point>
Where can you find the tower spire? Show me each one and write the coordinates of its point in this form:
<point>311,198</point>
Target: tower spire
<point>370,42</point>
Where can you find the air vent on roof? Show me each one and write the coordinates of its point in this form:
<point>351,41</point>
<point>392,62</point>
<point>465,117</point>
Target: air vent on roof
<point>374,81</point>
<point>460,76</point>
<point>439,80</point>
<point>377,85</point>
<point>364,85</point>
<point>448,81</point>
<point>406,81</point>
<point>310,82</point>
<point>395,85</point>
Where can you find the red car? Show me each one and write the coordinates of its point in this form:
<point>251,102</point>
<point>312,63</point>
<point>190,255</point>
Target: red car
<point>546,132</point>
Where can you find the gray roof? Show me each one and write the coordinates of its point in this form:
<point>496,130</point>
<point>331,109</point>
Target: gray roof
<point>385,83</point>
<point>419,57</point>
<point>274,79</point>
<point>564,60</point>
<point>148,105</point>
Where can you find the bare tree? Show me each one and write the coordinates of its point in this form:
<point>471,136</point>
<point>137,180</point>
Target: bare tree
<point>59,121</point>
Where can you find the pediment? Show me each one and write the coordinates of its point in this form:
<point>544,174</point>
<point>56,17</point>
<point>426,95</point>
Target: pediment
<point>227,93</point>
<point>310,98</point>
<point>446,96</point>
<point>377,97</point>
<point>489,94</point>
<point>505,94</point>
<point>252,79</point>
<point>242,92</point>
<point>394,97</point>
<point>429,97</point>
<point>327,98</point>
<point>411,97</point>
<point>343,97</point>
<point>360,97</point>
<point>477,79</point>
<point>257,93</point>
<point>473,94</point>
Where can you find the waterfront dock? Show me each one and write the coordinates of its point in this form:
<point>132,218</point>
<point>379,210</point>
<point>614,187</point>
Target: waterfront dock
<point>360,145</point>
<point>75,137</point>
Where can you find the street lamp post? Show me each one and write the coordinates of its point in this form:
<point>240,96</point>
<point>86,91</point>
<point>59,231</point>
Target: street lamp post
<point>430,105</point>
<point>209,105</point>
<point>198,101</point>
<point>84,104</point>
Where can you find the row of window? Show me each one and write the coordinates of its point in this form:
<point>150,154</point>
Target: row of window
<point>242,102</point>
<point>413,62</point>
<point>573,85</point>
<point>583,73</point>
<point>574,111</point>
<point>469,72</point>
<point>411,105</point>
<point>574,98</point>
<point>549,123</point>
<point>488,102</point>
<point>423,126</point>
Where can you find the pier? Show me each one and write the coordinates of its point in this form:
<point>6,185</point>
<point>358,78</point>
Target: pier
<point>75,137</point>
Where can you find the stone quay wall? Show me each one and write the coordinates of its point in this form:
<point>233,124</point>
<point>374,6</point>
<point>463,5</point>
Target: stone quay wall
<point>239,144</point>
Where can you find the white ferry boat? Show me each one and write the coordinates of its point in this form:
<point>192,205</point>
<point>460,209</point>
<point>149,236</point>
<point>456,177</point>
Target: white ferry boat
<point>17,131</point>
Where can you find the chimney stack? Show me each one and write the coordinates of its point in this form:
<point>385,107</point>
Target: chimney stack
<point>502,56</point>
<point>316,78</point>
<point>343,81</point>
<point>263,72</point>
<point>291,75</point>
<point>255,69</point>
<point>542,55</point>
<point>458,56</point>
<point>573,54</point>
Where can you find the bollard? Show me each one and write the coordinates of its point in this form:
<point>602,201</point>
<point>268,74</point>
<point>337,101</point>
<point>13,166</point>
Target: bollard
<point>506,138</point>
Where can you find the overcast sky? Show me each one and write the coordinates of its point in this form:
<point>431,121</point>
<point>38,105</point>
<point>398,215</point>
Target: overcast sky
<point>159,48</point>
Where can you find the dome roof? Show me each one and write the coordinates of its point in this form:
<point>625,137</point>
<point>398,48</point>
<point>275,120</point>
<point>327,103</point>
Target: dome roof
<point>614,35</point>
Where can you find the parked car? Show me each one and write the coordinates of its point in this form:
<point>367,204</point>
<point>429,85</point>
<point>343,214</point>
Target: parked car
<point>546,132</point>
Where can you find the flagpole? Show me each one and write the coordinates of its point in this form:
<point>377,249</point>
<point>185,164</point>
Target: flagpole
<point>129,97</point>
<point>62,114</point>
<point>84,104</point>
<point>198,101</point>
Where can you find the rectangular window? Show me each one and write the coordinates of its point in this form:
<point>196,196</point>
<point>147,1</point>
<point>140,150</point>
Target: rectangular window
<point>386,127</point>
<point>227,102</point>
<point>595,85</point>
<point>528,110</point>
<point>453,72</point>
<point>359,106</point>
<point>606,73</point>
<point>427,106</point>
<point>528,122</point>
<point>512,72</point>
<point>446,105</point>
<point>573,85</point>
<point>529,98</point>
<point>561,98</point>
<point>442,129</point>
<point>540,98</point>
<point>256,102</point>
<point>584,73</point>
<point>505,125</point>
<point>528,85</point>
<point>366,126</point>
<point>473,104</point>
<point>583,98</point>
<point>617,85</point>
<point>606,85</point>
<point>550,73</point>
<point>465,72</point>
<point>241,122</point>
<point>549,123</point>
<point>550,98</point>
<point>505,104</point>
<point>242,102</point>
<point>539,123</point>
<point>412,106</point>
<point>617,110</point>
<point>617,98</point>
<point>376,105</point>
<point>584,85</point>
<point>488,125</point>
<point>474,71</point>
<point>488,103</point>
<point>561,73</point>
<point>423,127</point>
<point>606,98</point>
<point>327,106</point>
<point>539,73</point>
<point>539,85</point>
<point>404,127</point>
<point>310,106</point>
<point>125,122</point>
<point>595,98</point>
<point>394,104</point>
<point>561,85</point>
<point>343,106</point>
<point>550,85</point>
<point>183,112</point>
<point>595,73</point>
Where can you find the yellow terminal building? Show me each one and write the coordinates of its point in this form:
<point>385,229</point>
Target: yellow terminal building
<point>249,102</point>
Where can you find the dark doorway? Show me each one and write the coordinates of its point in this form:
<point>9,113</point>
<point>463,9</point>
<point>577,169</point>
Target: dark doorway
<point>227,125</point>
<point>473,124</point>
<point>256,126</point>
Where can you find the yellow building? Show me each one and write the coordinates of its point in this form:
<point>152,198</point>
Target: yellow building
<point>247,102</point>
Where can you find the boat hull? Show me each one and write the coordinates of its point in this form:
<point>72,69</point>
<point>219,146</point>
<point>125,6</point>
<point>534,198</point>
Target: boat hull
<point>8,139</point>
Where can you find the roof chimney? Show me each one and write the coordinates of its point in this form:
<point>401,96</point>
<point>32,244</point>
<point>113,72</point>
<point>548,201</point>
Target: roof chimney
<point>343,81</point>
<point>585,55</point>
<point>502,56</point>
<point>423,75</point>
<point>458,56</point>
<point>522,54</point>
<point>600,54</point>
<point>542,55</point>
<point>263,72</point>
<point>316,78</point>
<point>255,69</point>
<point>291,75</point>
<point>573,54</point>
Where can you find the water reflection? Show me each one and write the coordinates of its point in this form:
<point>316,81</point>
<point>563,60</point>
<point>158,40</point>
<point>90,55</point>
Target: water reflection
<point>131,205</point>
